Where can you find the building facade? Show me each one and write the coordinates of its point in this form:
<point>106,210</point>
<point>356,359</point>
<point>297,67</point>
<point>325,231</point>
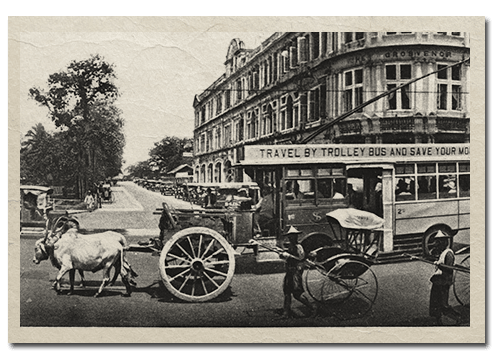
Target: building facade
<point>295,83</point>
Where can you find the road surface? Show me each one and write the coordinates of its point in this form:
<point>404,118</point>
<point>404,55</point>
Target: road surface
<point>254,298</point>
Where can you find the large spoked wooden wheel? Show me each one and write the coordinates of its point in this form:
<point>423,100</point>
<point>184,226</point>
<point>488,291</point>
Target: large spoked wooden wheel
<point>197,264</point>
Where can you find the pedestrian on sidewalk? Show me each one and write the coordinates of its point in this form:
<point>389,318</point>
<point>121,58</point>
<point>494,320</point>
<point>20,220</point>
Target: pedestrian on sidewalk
<point>89,201</point>
<point>294,267</point>
<point>442,279</point>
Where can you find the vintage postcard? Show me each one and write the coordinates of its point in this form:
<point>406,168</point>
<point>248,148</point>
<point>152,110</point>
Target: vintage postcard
<point>221,180</point>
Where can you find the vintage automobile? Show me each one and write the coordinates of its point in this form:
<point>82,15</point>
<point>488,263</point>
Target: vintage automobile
<point>234,195</point>
<point>37,207</point>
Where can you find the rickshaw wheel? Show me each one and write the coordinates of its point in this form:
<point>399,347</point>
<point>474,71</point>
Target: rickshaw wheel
<point>428,242</point>
<point>197,264</point>
<point>349,288</point>
<point>461,283</point>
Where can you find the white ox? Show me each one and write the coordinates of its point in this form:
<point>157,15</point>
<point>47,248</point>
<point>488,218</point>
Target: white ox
<point>69,250</point>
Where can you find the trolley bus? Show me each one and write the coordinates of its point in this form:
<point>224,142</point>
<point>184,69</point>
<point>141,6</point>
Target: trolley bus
<point>418,189</point>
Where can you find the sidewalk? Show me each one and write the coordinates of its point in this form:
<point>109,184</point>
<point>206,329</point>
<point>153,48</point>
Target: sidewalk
<point>132,212</point>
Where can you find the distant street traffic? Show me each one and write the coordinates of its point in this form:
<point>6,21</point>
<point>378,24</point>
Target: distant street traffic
<point>254,298</point>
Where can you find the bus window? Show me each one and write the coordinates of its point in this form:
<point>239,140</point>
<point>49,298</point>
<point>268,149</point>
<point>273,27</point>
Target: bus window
<point>405,185</point>
<point>464,186</point>
<point>426,184</point>
<point>426,187</point>
<point>339,187</point>
<point>305,189</point>
<point>325,188</point>
<point>405,188</point>
<point>447,181</point>
<point>464,180</point>
<point>331,188</point>
<point>300,190</point>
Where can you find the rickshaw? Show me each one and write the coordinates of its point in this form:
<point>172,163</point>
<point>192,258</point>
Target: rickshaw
<point>107,194</point>
<point>461,276</point>
<point>341,270</point>
<point>461,279</point>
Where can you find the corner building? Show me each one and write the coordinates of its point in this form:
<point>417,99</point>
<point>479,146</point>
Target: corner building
<point>293,83</point>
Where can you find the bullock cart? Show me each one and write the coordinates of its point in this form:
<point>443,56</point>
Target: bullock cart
<point>198,262</point>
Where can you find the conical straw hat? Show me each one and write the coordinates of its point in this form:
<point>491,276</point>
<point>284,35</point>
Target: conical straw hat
<point>292,230</point>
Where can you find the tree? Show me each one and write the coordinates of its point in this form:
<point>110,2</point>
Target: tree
<point>48,159</point>
<point>106,141</point>
<point>141,170</point>
<point>80,103</point>
<point>168,153</point>
<point>35,155</point>
<point>163,157</point>
<point>72,92</point>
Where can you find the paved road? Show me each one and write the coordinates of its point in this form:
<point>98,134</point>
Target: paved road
<point>253,299</point>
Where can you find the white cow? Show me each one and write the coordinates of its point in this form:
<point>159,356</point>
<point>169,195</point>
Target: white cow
<point>68,250</point>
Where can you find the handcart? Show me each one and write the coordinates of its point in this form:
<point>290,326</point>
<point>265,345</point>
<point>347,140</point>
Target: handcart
<point>461,276</point>
<point>342,271</point>
<point>461,279</point>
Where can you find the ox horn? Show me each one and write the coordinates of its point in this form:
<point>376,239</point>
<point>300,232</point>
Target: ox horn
<point>41,244</point>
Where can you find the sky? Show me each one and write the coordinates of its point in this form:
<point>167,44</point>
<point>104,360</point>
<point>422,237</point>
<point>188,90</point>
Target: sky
<point>158,75</point>
<point>161,63</point>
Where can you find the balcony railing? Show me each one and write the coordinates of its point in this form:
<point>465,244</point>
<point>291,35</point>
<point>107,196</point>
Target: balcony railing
<point>451,124</point>
<point>349,128</point>
<point>397,125</point>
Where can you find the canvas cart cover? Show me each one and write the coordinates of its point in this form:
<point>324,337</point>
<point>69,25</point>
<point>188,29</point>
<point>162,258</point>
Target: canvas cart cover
<point>356,219</point>
<point>36,190</point>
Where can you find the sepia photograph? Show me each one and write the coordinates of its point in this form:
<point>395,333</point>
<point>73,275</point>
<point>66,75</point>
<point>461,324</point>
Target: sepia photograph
<point>185,175</point>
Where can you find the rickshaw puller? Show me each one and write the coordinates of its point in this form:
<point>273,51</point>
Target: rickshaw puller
<point>442,280</point>
<point>294,267</point>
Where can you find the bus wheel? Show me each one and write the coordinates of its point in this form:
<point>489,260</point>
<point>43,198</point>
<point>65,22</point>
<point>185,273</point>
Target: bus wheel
<point>428,240</point>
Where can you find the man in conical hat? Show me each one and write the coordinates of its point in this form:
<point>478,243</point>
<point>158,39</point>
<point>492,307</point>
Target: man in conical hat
<point>294,267</point>
<point>442,279</point>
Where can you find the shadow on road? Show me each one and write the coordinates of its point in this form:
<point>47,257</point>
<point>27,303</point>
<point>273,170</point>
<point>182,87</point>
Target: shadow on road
<point>158,291</point>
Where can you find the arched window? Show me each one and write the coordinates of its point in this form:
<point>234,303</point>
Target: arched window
<point>217,172</point>
<point>228,171</point>
<point>267,120</point>
<point>202,174</point>
<point>287,114</point>
<point>197,174</point>
<point>210,173</point>
<point>253,126</point>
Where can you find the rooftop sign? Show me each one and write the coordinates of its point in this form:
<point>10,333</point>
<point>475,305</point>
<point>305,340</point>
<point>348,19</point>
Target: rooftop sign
<point>324,153</point>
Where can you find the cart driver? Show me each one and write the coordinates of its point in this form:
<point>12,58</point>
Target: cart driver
<point>210,199</point>
<point>264,215</point>
<point>294,267</point>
